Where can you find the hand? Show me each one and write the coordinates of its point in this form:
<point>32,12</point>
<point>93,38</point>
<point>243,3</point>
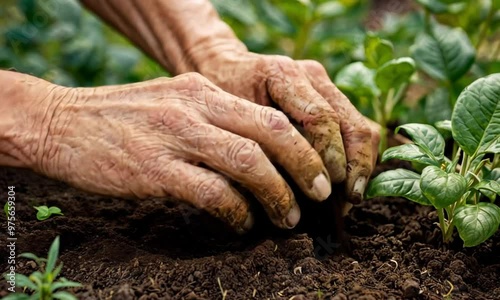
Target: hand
<point>340,134</point>
<point>182,137</point>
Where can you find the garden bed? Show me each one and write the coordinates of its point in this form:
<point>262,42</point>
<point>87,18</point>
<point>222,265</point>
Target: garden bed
<point>153,249</point>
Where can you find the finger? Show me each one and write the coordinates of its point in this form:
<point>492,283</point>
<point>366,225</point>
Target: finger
<point>277,137</point>
<point>200,187</point>
<point>242,160</point>
<point>292,91</point>
<point>375,130</point>
<point>356,133</point>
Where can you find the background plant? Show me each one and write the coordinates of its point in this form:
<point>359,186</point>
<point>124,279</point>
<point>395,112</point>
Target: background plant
<point>455,190</point>
<point>43,284</point>
<point>44,212</point>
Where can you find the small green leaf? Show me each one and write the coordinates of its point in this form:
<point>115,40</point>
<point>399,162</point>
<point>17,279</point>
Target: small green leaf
<point>377,51</point>
<point>357,79</point>
<point>53,210</point>
<point>43,212</point>
<point>476,223</point>
<point>443,6</point>
<point>52,256</point>
<point>31,256</point>
<point>445,54</point>
<point>489,185</point>
<point>427,138</point>
<point>394,73</point>
<point>24,281</point>
<point>64,283</point>
<point>397,183</point>
<point>441,188</point>
<point>16,296</point>
<point>476,117</point>
<point>444,125</point>
<point>6,209</point>
<point>64,296</point>
<point>409,152</point>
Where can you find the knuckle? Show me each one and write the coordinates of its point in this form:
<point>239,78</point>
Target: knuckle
<point>279,64</point>
<point>245,155</point>
<point>274,119</point>
<point>313,66</point>
<point>211,193</point>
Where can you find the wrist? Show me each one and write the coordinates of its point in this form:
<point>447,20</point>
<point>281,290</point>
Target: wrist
<point>25,106</point>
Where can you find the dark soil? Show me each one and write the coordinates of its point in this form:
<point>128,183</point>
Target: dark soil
<point>153,249</point>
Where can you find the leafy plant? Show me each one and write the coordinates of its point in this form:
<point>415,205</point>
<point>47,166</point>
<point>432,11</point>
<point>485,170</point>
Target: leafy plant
<point>457,191</point>
<point>45,212</point>
<point>43,283</point>
<point>380,80</point>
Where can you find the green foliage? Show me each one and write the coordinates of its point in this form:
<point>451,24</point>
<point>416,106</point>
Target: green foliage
<point>43,284</point>
<point>456,191</point>
<point>44,212</point>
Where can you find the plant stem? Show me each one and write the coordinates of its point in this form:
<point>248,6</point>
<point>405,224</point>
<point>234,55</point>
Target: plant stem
<point>484,28</point>
<point>442,223</point>
<point>303,35</point>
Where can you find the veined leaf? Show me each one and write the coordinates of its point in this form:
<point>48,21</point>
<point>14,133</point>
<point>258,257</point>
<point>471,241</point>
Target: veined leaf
<point>394,73</point>
<point>427,138</point>
<point>441,188</point>
<point>476,223</point>
<point>357,79</point>
<point>445,54</point>
<point>476,117</point>
<point>409,152</point>
<point>377,51</point>
<point>397,183</point>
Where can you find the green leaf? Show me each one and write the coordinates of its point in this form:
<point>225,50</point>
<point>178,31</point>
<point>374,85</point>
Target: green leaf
<point>445,54</point>
<point>397,183</point>
<point>16,296</point>
<point>357,79</point>
<point>489,185</point>
<point>427,138</point>
<point>438,106</point>
<point>444,125</point>
<point>394,73</point>
<point>377,51</point>
<point>409,152</point>
<point>441,188</point>
<point>274,17</point>
<point>329,9</point>
<point>476,223</point>
<point>494,146</point>
<point>24,281</point>
<point>241,10</point>
<point>43,212</point>
<point>52,256</point>
<point>53,210</point>
<point>31,256</point>
<point>64,283</point>
<point>443,6</point>
<point>6,209</point>
<point>476,117</point>
<point>64,296</point>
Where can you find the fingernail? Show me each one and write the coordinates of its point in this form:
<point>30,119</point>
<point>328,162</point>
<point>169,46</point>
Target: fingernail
<point>358,190</point>
<point>321,187</point>
<point>293,217</point>
<point>247,225</point>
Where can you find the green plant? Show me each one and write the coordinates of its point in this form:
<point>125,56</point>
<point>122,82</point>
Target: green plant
<point>457,191</point>
<point>43,283</point>
<point>381,80</point>
<point>44,212</point>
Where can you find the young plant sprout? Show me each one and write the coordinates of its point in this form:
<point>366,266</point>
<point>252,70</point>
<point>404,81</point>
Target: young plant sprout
<point>464,194</point>
<point>44,212</point>
<point>43,284</point>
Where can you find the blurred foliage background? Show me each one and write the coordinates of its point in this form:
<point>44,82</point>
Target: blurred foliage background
<point>450,43</point>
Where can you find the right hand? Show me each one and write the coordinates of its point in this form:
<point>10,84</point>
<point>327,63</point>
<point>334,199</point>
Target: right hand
<point>182,137</point>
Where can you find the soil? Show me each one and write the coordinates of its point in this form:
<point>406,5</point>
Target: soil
<point>154,249</point>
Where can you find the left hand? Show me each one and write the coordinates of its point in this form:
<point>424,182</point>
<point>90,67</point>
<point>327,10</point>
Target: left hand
<point>302,89</point>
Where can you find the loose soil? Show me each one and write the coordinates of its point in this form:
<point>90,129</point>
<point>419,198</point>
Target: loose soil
<point>154,249</point>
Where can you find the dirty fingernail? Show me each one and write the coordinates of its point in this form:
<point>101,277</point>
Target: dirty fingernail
<point>358,190</point>
<point>321,187</point>
<point>247,225</point>
<point>293,217</point>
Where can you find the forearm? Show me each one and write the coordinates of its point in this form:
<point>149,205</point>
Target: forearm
<point>22,98</point>
<point>178,34</point>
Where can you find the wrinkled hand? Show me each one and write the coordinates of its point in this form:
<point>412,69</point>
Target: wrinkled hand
<point>182,137</point>
<point>303,90</point>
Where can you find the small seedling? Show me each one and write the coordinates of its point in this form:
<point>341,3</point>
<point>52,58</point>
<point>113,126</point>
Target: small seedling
<point>42,283</point>
<point>457,191</point>
<point>45,212</point>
